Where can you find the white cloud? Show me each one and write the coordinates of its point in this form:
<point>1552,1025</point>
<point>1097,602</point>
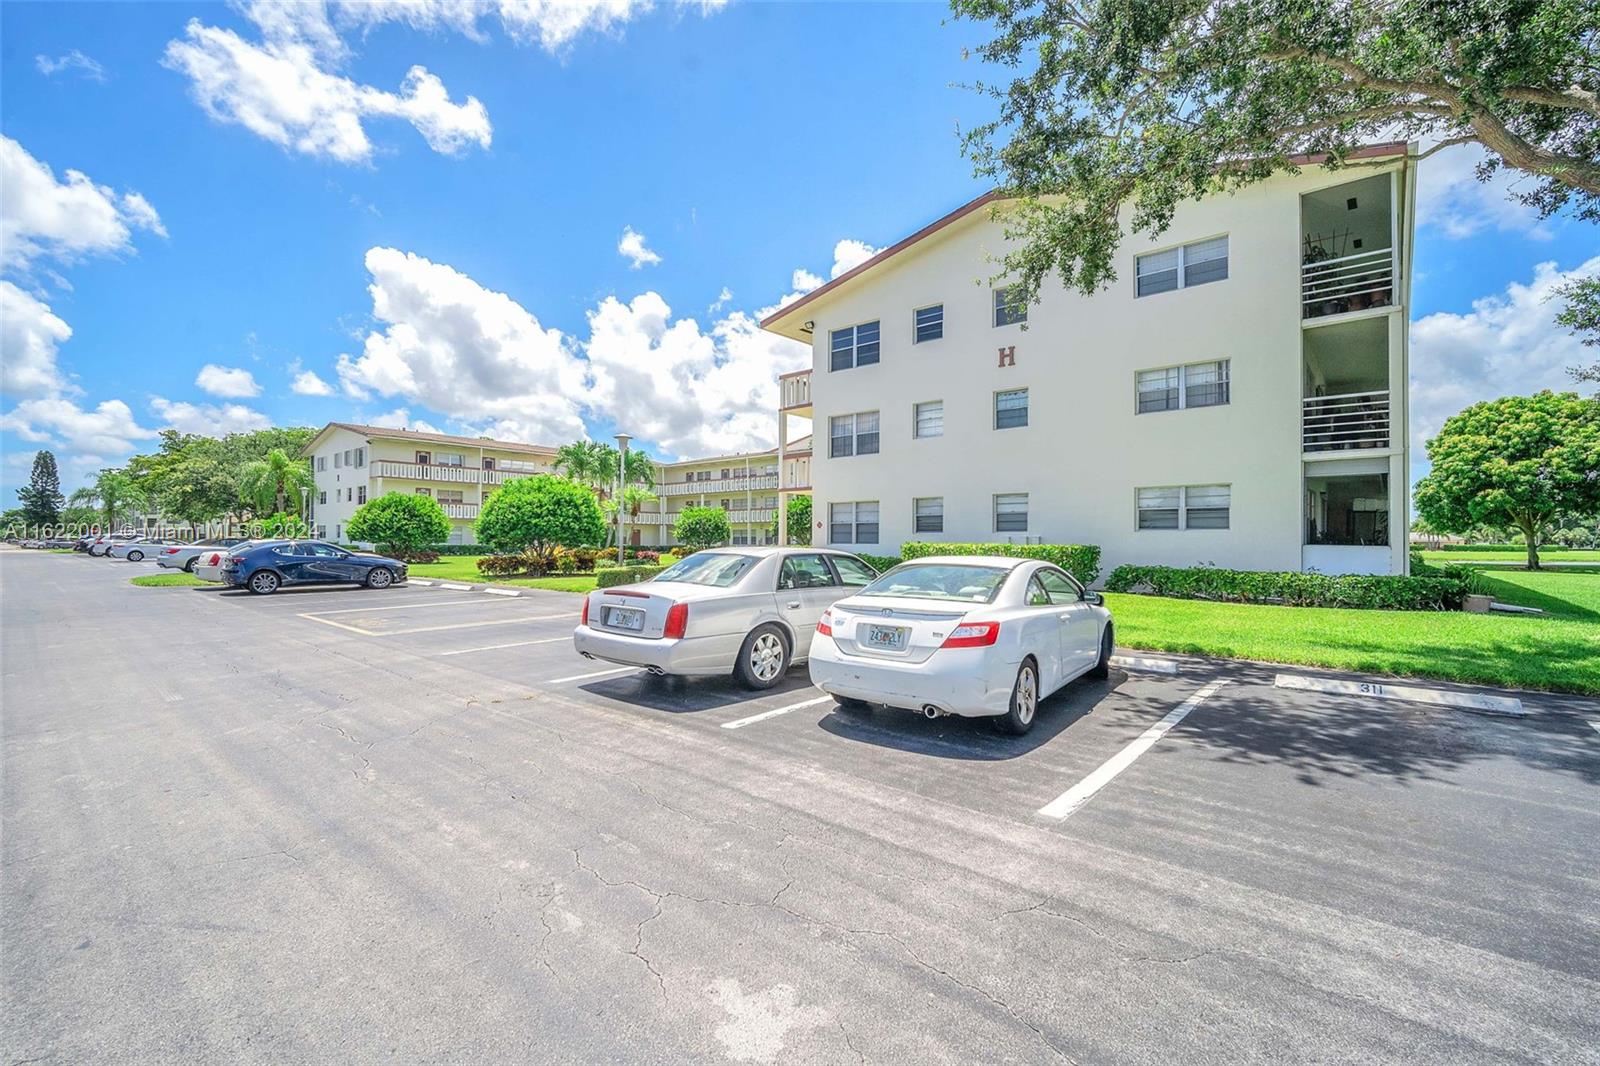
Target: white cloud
<point>282,90</point>
<point>211,420</point>
<point>722,300</point>
<point>804,281</point>
<point>73,60</point>
<point>1453,202</point>
<point>29,336</point>
<point>229,382</point>
<point>1507,345</point>
<point>307,382</point>
<point>40,216</point>
<point>849,254</point>
<point>632,248</point>
<point>400,418</point>
<point>60,424</point>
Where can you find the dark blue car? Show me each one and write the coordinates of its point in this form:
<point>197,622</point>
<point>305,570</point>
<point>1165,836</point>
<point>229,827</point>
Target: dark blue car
<point>264,568</point>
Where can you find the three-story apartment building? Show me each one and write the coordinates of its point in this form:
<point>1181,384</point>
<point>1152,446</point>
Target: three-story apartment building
<point>1237,397</point>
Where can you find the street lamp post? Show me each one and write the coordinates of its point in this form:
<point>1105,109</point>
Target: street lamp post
<point>622,485</point>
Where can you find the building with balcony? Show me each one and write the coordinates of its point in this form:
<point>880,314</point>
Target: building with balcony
<point>1236,397</point>
<point>743,484</point>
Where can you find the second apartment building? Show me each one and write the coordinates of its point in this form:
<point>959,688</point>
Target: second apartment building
<point>1237,397</point>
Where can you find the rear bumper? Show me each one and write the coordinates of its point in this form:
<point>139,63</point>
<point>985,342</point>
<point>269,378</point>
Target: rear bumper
<point>959,681</point>
<point>172,562</point>
<point>687,655</point>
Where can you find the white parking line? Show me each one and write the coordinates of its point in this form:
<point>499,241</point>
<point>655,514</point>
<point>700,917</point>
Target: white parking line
<point>1140,662</point>
<point>415,605</point>
<point>432,629</point>
<point>1596,726</point>
<point>1076,796</point>
<point>1440,697</point>
<point>453,585</point>
<point>585,677</point>
<point>503,592</point>
<point>513,644</point>
<point>764,715</point>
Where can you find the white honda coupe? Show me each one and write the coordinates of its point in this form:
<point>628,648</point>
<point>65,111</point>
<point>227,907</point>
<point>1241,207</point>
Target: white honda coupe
<point>975,636</point>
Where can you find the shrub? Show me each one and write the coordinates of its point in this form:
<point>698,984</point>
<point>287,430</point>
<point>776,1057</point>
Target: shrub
<point>503,564</point>
<point>461,549</point>
<point>1440,590</point>
<point>566,561</point>
<point>609,576</point>
<point>703,527</point>
<point>880,563</point>
<point>1082,561</point>
<point>399,522</point>
<point>425,556</point>
<point>540,513</point>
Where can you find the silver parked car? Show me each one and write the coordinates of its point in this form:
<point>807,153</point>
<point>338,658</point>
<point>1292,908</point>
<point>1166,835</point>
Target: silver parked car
<point>103,544</point>
<point>747,611</point>
<point>187,556</point>
<point>137,549</point>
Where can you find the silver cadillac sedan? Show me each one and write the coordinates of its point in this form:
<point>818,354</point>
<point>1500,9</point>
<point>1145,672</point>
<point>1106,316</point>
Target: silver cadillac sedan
<point>747,611</point>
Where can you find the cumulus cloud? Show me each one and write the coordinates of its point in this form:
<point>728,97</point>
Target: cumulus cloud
<point>307,382</point>
<point>232,383</point>
<point>29,337</point>
<point>60,424</point>
<point>211,420</point>
<point>72,61</point>
<point>849,254</point>
<point>1453,202</point>
<point>400,418</point>
<point>1507,345</point>
<point>64,220</point>
<point>632,248</point>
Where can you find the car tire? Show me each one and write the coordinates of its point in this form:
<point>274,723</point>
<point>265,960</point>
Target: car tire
<point>264,583</point>
<point>189,566</point>
<point>763,657</point>
<point>1024,707</point>
<point>1102,667</point>
<point>135,557</point>
<point>379,577</point>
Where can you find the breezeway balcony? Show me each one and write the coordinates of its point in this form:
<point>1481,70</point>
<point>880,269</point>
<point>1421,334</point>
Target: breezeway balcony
<point>1346,403</point>
<point>1347,249</point>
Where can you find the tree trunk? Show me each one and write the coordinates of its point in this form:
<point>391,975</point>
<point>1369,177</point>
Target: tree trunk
<point>1530,533</point>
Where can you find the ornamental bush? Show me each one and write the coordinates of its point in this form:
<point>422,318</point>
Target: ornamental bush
<point>400,523</point>
<point>1082,561</point>
<point>539,514</point>
<point>1441,589</point>
<point>703,527</point>
<point>609,576</point>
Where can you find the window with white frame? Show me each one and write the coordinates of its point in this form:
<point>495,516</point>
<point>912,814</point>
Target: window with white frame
<point>322,497</point>
<point>928,323</point>
<point>449,459</point>
<point>853,523</point>
<point>322,462</point>
<point>855,434</point>
<point>1010,408</point>
<point>929,419</point>
<point>336,460</point>
<point>929,512</point>
<point>516,466</point>
<point>1185,507</point>
<point>452,496</point>
<point>1009,306</point>
<point>853,346</point>
<point>361,494</point>
<point>1011,512</point>
<point>1174,387</point>
<point>361,457</point>
<point>1181,267</point>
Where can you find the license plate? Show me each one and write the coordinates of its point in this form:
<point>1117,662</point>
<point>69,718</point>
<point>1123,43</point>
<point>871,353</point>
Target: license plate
<point>626,618</point>
<point>890,638</point>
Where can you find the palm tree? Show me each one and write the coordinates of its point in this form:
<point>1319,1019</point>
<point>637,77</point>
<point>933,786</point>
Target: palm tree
<point>114,493</point>
<point>269,484</point>
<point>581,462</point>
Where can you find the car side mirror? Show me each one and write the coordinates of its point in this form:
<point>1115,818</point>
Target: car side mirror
<point>1093,598</point>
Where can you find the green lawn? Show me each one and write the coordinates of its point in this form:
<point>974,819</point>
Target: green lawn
<point>465,568</point>
<point>1559,651</point>
<point>168,581</point>
<point>1514,555</point>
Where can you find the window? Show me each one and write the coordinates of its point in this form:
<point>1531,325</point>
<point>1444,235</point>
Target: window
<point>488,463</point>
<point>1037,596</point>
<point>513,466</point>
<point>853,523</point>
<point>854,346</point>
<point>450,459</point>
<point>322,497</point>
<point>361,457</point>
<point>929,323</point>
<point>1195,385</point>
<point>853,434</point>
<point>1011,512</point>
<point>805,572</point>
<point>1185,507</point>
<point>361,494</point>
<point>336,460</point>
<point>929,513</point>
<point>1009,307</point>
<point>322,462</point>
<point>424,492</point>
<point>350,495</point>
<point>853,573</point>
<point>424,458</point>
<point>1010,408</point>
<point>929,420</point>
<point>451,496</point>
<point>1060,587</point>
<point>1191,264</point>
<point>349,457</point>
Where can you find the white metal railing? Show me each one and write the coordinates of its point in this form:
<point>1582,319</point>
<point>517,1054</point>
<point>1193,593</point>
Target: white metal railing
<point>755,482</point>
<point>460,510</point>
<point>1349,283</point>
<point>669,518</point>
<point>469,475</point>
<point>795,391</point>
<point>1348,422</point>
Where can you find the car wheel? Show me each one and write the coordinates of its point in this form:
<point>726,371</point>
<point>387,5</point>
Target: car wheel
<point>1102,666</point>
<point>1018,719</point>
<point>379,578</point>
<point>764,657</point>
<point>189,566</point>
<point>134,557</point>
<point>264,582</point>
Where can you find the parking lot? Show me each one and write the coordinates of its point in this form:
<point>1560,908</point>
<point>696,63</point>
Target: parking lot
<point>416,825</point>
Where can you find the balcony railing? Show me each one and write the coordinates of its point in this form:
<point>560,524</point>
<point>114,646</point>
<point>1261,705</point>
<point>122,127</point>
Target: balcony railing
<point>657,518</point>
<point>1349,422</point>
<point>460,510</point>
<point>464,475</point>
<point>795,390</point>
<point>1349,283</point>
<point>731,484</point>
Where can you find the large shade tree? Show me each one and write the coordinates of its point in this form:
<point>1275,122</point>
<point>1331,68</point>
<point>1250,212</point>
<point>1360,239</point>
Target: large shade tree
<point>1522,462</point>
<point>1130,104</point>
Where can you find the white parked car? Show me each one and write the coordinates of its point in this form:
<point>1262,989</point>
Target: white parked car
<point>208,564</point>
<point>968,635</point>
<point>187,556</point>
<point>137,549</point>
<point>747,611</point>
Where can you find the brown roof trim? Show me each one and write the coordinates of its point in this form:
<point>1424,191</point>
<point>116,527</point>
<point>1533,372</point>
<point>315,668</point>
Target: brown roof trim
<point>437,438</point>
<point>1370,151</point>
<point>894,249</point>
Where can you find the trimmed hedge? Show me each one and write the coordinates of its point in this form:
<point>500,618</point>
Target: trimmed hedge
<point>608,576</point>
<point>880,563</point>
<point>462,549</point>
<point>1082,561</point>
<point>1514,546</point>
<point>1441,590</point>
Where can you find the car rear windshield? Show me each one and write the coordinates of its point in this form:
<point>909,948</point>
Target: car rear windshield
<point>708,568</point>
<point>940,581</point>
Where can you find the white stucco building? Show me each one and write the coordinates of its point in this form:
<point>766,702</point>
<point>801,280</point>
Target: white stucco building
<point>1237,397</point>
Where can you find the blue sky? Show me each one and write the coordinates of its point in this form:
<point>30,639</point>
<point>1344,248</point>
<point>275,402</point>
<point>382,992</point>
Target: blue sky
<point>454,235</point>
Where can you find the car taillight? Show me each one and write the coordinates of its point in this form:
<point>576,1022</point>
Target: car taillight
<point>584,620</point>
<point>169,551</point>
<point>825,624</point>
<point>677,620</point>
<point>235,559</point>
<point>972,635</point>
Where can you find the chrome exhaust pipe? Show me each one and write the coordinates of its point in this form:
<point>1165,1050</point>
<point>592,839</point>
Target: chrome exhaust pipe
<point>930,712</point>
<point>656,671</point>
